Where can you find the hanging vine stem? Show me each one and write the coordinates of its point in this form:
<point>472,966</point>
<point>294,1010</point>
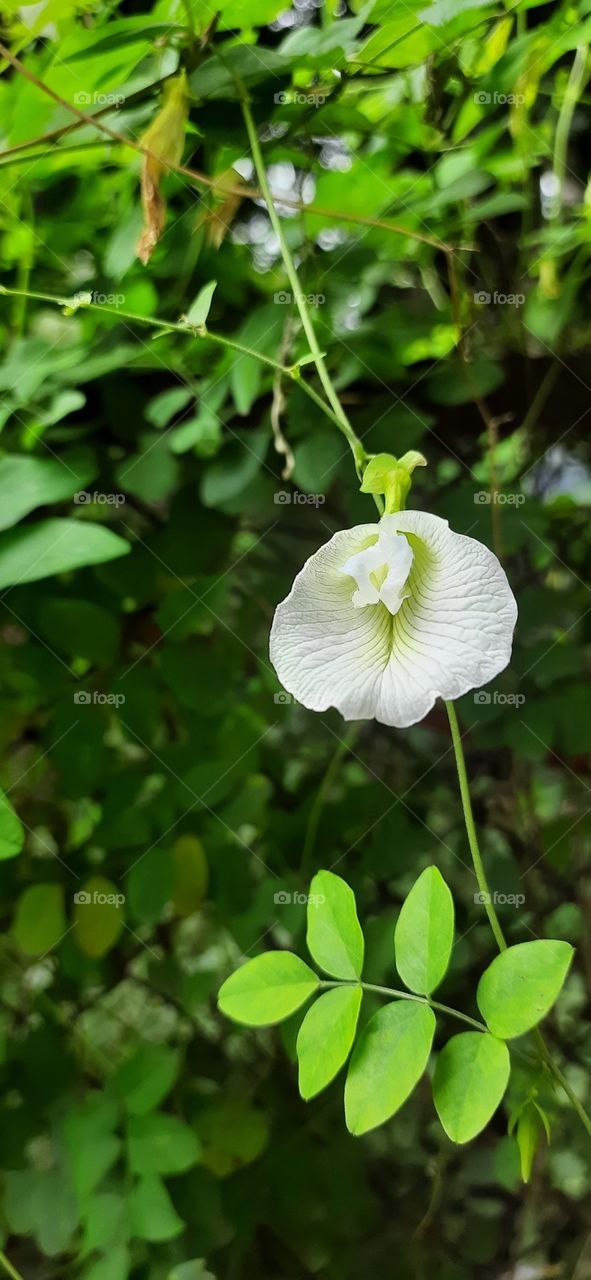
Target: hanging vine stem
<point>493,918</point>
<point>169,326</point>
<point>345,427</point>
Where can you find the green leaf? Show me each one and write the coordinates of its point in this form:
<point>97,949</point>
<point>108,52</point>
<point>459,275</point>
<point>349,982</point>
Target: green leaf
<point>335,940</point>
<point>388,1061</point>
<point>98,916</point>
<point>267,989</point>
<point>80,628</point>
<point>152,1213</point>
<point>471,1076</point>
<point>200,308</point>
<point>325,1038</point>
<point>12,832</point>
<point>423,937</point>
<point>190,874</point>
<point>214,79</point>
<point>161,1143</point>
<point>39,550</point>
<point>149,886</point>
<point>531,1124</point>
<point>115,1266</point>
<point>27,482</point>
<point>146,1078</point>
<point>40,920</point>
<point>233,1134</point>
<point>521,985</point>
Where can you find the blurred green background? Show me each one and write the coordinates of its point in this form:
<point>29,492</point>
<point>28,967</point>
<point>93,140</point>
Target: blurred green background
<point>430,163</point>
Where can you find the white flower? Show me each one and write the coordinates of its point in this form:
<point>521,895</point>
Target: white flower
<point>388,617</point>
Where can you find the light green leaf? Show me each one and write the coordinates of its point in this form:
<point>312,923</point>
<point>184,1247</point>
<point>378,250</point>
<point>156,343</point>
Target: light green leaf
<point>27,482</point>
<point>200,308</point>
<point>387,1063</point>
<point>521,985</point>
<point>325,1038</point>
<point>470,1079</point>
<point>40,920</point>
<point>152,1213</point>
<point>12,832</point>
<point>423,937</point>
<point>196,1269</point>
<point>267,989</point>
<point>39,550</point>
<point>334,937</point>
<point>531,1124</point>
<point>161,1143</point>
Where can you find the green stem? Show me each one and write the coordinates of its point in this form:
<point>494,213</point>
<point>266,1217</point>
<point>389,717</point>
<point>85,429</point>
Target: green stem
<point>471,828</point>
<point>25,266</point>
<point>574,89</point>
<point>561,1079</point>
<point>168,326</point>
<point>318,804</point>
<point>8,1267</point>
<point>408,995</point>
<point>341,418</point>
<point>544,1051</point>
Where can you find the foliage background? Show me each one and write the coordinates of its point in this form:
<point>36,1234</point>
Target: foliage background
<point>143,1136</point>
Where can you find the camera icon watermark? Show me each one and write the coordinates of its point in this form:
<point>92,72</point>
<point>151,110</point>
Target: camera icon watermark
<point>83,497</point>
<point>296,98</point>
<point>283,699</point>
<point>99,99</point>
<point>499,899</point>
<point>98,899</point>
<point>483,298</point>
<point>283,899</point>
<point>283,298</point>
<point>283,498</point>
<point>484,498</point>
<point>485,699</point>
<point>94,698</point>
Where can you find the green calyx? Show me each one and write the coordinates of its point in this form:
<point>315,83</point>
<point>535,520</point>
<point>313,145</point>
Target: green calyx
<point>392,477</point>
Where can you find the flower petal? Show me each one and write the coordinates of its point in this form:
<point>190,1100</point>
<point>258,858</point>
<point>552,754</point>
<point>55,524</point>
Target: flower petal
<point>453,633</point>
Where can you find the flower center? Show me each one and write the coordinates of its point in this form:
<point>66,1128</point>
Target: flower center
<point>381,572</point>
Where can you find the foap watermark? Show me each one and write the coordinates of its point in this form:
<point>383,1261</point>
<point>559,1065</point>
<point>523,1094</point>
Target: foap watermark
<point>99,99</point>
<point>87,298</point>
<point>484,498</point>
<point>98,899</point>
<point>485,299</point>
<point>485,699</point>
<point>94,698</point>
<point>284,899</point>
<point>104,499</point>
<point>295,98</point>
<point>484,99</point>
<point>284,297</point>
<point>283,699</point>
<point>499,899</point>
<point>283,498</point>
